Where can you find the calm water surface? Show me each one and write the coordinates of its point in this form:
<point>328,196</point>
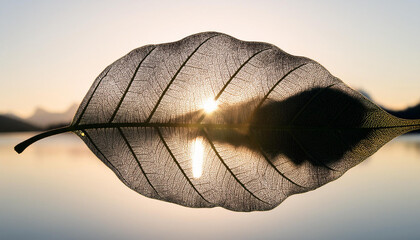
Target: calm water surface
<point>57,189</point>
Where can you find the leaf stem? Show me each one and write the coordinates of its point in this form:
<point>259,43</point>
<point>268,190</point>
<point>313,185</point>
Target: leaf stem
<point>23,145</point>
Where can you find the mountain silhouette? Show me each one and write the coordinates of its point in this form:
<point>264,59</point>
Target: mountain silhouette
<point>408,113</point>
<point>38,121</point>
<point>12,124</point>
<point>44,119</point>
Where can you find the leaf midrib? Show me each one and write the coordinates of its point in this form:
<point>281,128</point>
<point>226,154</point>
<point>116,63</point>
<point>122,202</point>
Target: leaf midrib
<point>231,126</point>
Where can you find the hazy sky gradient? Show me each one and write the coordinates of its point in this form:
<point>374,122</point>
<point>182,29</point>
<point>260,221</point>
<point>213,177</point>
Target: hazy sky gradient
<point>51,51</point>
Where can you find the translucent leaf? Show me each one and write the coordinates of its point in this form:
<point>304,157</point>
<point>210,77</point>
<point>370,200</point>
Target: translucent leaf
<point>214,121</point>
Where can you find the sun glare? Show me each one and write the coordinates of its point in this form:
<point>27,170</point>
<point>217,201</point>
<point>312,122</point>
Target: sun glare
<point>197,157</point>
<point>209,105</point>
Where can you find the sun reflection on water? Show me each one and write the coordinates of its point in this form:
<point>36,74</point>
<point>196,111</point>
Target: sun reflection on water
<point>197,150</point>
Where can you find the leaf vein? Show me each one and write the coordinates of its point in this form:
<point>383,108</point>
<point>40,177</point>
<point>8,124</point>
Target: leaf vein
<point>307,153</point>
<point>275,85</point>
<point>177,164</point>
<point>237,71</point>
<point>231,78</point>
<point>90,98</point>
<point>309,102</point>
<point>105,158</point>
<point>129,85</point>
<point>267,159</point>
<point>174,77</point>
<point>137,160</point>
<point>228,169</point>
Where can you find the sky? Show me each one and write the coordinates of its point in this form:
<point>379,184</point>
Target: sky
<point>51,51</point>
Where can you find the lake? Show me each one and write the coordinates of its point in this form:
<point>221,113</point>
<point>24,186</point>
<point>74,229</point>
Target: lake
<point>57,189</point>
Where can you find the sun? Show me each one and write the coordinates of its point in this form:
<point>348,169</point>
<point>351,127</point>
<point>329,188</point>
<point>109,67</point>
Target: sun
<point>210,105</point>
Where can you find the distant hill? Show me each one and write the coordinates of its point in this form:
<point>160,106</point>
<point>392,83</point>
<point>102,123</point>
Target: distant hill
<point>44,119</point>
<point>13,124</point>
<point>408,113</point>
<point>40,120</point>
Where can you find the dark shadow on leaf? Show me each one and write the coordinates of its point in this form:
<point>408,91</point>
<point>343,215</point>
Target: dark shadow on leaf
<point>318,126</point>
